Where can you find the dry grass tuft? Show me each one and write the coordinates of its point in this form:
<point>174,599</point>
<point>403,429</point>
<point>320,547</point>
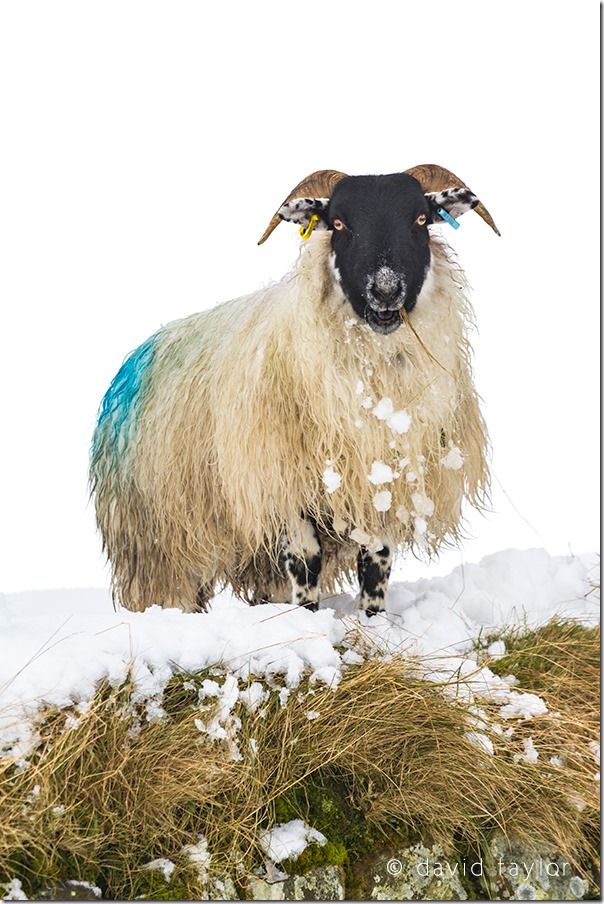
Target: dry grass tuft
<point>393,744</point>
<point>561,662</point>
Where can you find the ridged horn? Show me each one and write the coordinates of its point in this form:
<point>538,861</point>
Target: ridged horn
<point>432,177</point>
<point>318,185</point>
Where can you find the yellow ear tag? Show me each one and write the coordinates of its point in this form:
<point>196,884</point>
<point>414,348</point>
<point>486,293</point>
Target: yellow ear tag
<point>306,231</point>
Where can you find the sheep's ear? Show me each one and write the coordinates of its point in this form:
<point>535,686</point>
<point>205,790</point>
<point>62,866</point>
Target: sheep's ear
<point>454,201</point>
<point>300,210</point>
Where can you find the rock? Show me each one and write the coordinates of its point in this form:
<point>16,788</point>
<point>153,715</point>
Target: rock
<point>414,873</point>
<point>324,883</point>
<point>222,889</point>
<point>261,890</point>
<point>514,872</point>
<point>71,890</point>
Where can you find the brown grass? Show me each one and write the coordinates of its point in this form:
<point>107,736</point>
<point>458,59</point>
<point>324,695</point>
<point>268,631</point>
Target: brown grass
<point>393,742</point>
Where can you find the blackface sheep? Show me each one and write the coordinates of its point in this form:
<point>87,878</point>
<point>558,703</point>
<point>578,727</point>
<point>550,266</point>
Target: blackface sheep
<point>285,440</point>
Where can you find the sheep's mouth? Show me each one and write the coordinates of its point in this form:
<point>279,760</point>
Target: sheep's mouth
<point>383,321</point>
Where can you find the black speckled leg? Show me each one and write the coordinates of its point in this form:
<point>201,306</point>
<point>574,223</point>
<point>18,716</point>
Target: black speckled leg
<point>374,571</point>
<point>304,571</point>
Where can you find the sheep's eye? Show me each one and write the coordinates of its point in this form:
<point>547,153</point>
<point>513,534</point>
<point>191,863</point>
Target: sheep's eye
<point>339,225</point>
<point>421,220</point>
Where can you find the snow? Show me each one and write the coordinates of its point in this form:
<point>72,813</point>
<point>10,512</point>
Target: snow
<point>496,649</point>
<point>331,479</point>
<point>288,840</point>
<point>58,646</point>
<point>199,856</point>
<point>523,706</point>
<point>398,421</point>
<point>453,460</point>
<point>222,725</point>
<point>13,891</point>
<point>384,409</point>
<point>595,749</point>
<point>421,526</point>
<point>422,504</point>
<point>382,501</point>
<point>162,865</point>
<point>253,696</point>
<point>380,473</point>
<point>371,541</point>
<point>402,514</point>
<point>530,755</point>
<point>480,740</point>
<point>360,537</point>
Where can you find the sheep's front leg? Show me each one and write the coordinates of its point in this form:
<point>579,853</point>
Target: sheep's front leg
<point>302,564</point>
<point>374,571</point>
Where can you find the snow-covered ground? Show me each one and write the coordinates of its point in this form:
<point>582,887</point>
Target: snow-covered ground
<point>58,645</point>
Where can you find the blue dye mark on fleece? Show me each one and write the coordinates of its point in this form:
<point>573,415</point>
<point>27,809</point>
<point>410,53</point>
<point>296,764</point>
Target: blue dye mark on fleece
<point>119,408</point>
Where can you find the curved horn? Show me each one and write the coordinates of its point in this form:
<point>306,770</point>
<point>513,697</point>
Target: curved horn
<point>318,185</point>
<point>432,177</point>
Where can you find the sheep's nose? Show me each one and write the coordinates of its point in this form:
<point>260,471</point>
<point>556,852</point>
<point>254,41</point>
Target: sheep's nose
<point>387,294</point>
<point>386,285</point>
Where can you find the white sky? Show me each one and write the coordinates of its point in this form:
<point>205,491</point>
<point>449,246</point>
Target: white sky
<point>144,147</point>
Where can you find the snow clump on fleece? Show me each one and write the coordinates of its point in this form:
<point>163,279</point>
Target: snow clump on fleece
<point>58,646</point>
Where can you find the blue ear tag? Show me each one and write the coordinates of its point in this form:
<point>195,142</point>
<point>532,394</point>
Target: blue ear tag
<point>447,216</point>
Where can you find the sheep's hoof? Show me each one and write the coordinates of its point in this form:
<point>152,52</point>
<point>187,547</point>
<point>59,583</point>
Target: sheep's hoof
<point>313,606</point>
<point>261,600</point>
<point>372,610</point>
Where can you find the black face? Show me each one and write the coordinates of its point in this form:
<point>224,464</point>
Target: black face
<point>381,245</point>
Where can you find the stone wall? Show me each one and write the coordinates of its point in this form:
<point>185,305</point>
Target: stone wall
<point>504,872</point>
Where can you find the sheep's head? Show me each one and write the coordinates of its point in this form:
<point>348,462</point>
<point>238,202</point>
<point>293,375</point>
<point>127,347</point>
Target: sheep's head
<point>379,225</point>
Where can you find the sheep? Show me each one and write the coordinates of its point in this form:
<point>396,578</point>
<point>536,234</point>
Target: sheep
<point>280,442</point>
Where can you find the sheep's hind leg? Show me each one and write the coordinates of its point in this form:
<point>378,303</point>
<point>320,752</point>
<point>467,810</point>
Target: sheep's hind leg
<point>202,598</point>
<point>374,571</point>
<point>302,564</point>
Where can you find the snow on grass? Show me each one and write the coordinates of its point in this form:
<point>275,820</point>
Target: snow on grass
<point>13,891</point>
<point>288,840</point>
<point>523,706</point>
<point>496,649</point>
<point>199,857</point>
<point>161,865</point>
<point>480,740</point>
<point>530,755</point>
<point>58,646</point>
